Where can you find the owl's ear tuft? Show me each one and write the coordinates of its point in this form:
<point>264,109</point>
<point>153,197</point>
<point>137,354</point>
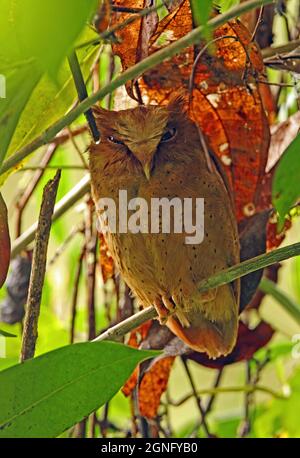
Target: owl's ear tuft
<point>99,112</point>
<point>104,118</point>
<point>178,103</point>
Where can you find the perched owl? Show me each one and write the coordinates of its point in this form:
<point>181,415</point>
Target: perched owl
<point>156,152</point>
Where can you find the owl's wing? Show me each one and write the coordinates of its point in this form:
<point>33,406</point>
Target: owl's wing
<point>213,315</point>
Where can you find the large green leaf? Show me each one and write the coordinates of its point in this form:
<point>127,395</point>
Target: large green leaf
<point>286,182</point>
<point>34,41</point>
<point>49,100</point>
<point>46,395</point>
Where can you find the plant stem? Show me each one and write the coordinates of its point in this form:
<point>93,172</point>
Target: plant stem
<point>251,265</point>
<point>122,328</point>
<point>269,287</point>
<point>231,389</point>
<point>38,269</point>
<point>134,72</point>
<point>60,208</point>
<point>82,92</point>
<point>275,50</point>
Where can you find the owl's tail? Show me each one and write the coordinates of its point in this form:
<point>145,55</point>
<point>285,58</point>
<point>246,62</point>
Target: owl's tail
<point>213,330</point>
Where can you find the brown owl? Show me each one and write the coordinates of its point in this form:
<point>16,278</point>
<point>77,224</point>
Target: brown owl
<point>156,152</point>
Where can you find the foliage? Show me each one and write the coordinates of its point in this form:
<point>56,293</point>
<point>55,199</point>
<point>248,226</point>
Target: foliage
<point>83,376</point>
<point>286,184</point>
<point>26,54</point>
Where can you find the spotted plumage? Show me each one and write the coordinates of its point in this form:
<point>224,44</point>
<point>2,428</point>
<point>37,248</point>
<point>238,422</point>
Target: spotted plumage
<point>152,151</point>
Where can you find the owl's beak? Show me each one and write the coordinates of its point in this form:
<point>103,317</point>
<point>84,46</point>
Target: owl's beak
<point>147,169</point>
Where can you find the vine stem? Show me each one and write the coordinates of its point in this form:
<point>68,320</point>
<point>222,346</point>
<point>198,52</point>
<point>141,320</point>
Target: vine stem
<point>218,279</point>
<point>232,389</point>
<point>131,73</point>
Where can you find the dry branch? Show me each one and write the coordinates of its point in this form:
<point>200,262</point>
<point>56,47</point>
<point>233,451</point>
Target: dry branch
<point>38,269</point>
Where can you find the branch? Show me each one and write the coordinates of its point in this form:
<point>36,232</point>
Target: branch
<point>232,389</point>
<point>134,72</point>
<point>251,265</point>
<point>220,278</point>
<point>276,50</point>
<point>38,269</point>
<point>60,208</point>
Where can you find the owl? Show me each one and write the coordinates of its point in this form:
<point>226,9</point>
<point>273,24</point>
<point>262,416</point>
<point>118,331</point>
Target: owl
<point>156,152</point>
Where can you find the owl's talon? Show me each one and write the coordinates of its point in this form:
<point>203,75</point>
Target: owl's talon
<point>169,304</point>
<point>165,309</point>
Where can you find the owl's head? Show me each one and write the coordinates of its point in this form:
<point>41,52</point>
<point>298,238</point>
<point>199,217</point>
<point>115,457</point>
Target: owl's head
<point>137,138</point>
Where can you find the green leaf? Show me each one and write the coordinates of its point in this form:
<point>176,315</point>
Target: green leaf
<point>46,395</point>
<point>49,101</point>
<point>34,41</point>
<point>286,182</point>
<point>201,11</point>
<point>225,5</point>
<point>280,417</point>
<point>291,307</point>
<point>6,334</point>
<point>273,352</point>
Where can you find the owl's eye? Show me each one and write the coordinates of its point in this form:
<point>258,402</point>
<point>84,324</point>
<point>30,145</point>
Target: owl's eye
<point>113,139</point>
<point>169,134</point>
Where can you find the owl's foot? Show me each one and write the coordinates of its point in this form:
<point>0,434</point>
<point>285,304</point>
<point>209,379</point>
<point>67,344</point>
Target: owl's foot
<point>165,308</point>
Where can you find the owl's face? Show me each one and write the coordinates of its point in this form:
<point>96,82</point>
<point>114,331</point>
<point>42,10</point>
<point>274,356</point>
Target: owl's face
<point>137,141</point>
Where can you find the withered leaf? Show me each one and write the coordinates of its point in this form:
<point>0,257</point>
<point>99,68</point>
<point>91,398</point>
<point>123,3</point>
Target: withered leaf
<point>154,379</point>
<point>4,242</point>
<point>106,261</point>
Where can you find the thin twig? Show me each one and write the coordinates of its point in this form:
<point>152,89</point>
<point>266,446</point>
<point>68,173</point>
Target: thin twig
<point>120,329</point>
<point>75,294</point>
<point>210,402</point>
<point>197,398</point>
<point>261,11</point>
<point>231,389</point>
<point>245,426</point>
<point>200,54</point>
<point>52,167</point>
<point>34,181</point>
<point>130,74</point>
<point>277,50</point>
<point>81,188</point>
<point>91,262</point>
<point>76,230</point>
<point>38,269</point>
<point>110,33</point>
<point>77,149</point>
<point>124,9</point>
